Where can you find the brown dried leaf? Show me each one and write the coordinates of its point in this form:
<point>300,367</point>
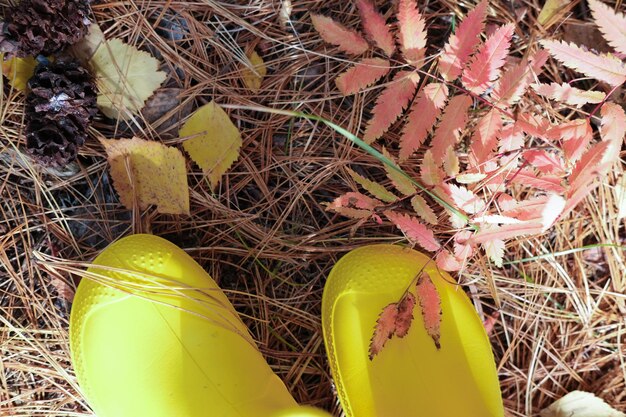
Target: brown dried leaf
<point>405,315</point>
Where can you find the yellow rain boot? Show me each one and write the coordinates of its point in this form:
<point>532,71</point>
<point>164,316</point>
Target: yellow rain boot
<point>152,335</point>
<point>409,377</point>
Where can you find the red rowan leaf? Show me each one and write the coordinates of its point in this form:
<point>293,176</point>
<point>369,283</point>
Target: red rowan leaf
<point>484,68</point>
<point>490,322</point>
<point>533,125</point>
<point>448,262</point>
<point>352,213</point>
<point>453,120</point>
<point>511,86</point>
<point>422,117</point>
<point>494,248</point>
<point>511,139</point>
<point>384,330</point>
<point>372,187</point>
<point>611,23</point>
<point>578,195</point>
<point>430,306</point>
<point>361,75</point>
<point>465,199</point>
<point>356,200</point>
<point>423,210</point>
<point>567,94</point>
<point>544,161</point>
<point>412,31</point>
<point>575,134</point>
<point>613,124</point>
<point>507,231</point>
<point>535,209</point>
<point>463,248</point>
<point>605,68</point>
<point>64,290</point>
<point>375,26</point>
<point>335,33</point>
<point>588,167</point>
<point>485,137</point>
<point>390,104</point>
<point>430,172</point>
<point>415,231</point>
<point>405,314</point>
<point>528,178</point>
<point>461,44</point>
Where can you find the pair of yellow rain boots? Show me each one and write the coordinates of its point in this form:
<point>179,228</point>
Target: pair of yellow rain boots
<point>152,335</point>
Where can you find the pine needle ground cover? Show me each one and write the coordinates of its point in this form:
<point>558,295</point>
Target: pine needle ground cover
<point>290,195</point>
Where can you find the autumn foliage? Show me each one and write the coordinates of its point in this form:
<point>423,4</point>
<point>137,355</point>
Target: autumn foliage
<point>474,149</point>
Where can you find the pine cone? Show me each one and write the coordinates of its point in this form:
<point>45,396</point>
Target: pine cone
<point>45,27</point>
<point>59,109</point>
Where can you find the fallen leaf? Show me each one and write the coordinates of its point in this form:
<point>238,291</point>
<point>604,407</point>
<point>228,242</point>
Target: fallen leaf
<point>552,8</point>
<point>213,141</point>
<point>448,262</point>
<point>423,210</point>
<point>402,183</point>
<point>405,315</point>
<point>494,248</point>
<point>335,33</point>
<point>85,49</point>
<point>361,75</point>
<point>384,330</point>
<point>126,77</point>
<point>619,192</point>
<point>18,71</point>
<point>415,231</point>
<point>148,172</point>
<point>254,74</point>
<point>355,200</point>
<point>580,404</point>
<point>430,306</point>
<point>163,110</point>
<point>65,291</point>
<point>372,187</point>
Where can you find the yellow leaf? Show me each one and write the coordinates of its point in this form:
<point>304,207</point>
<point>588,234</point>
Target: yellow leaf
<point>148,172</point>
<point>253,75</point>
<point>126,78</point>
<point>550,9</point>
<point>214,141</point>
<point>18,71</point>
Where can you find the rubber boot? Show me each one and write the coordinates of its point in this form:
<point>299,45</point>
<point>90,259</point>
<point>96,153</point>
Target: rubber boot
<point>410,376</point>
<point>152,335</point>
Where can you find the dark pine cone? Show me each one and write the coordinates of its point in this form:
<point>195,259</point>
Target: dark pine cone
<point>59,109</point>
<point>45,27</point>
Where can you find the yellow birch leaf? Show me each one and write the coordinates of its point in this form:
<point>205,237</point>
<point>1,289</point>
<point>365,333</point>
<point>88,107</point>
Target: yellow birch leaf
<point>126,77</point>
<point>213,141</point>
<point>253,75</point>
<point>18,71</point>
<point>148,172</point>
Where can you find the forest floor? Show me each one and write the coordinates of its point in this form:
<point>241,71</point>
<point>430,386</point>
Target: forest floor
<point>265,234</point>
